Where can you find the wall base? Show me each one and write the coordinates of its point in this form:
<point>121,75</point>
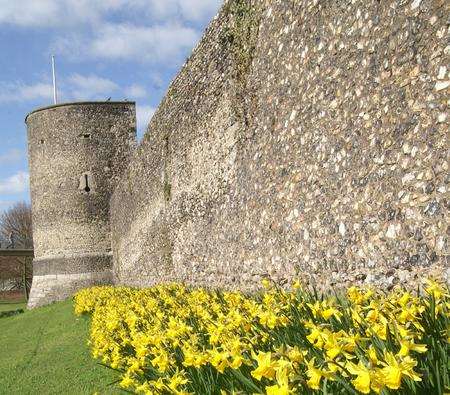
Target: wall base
<point>52,281</point>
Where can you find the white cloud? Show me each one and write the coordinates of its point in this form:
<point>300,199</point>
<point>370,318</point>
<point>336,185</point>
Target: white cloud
<point>19,92</point>
<point>29,12</point>
<point>135,91</point>
<point>143,116</point>
<point>156,31</point>
<point>16,183</point>
<point>152,44</point>
<point>157,44</point>
<point>59,13</point>
<point>89,87</point>
<point>72,13</point>
<point>73,87</point>
<point>14,155</point>
<point>189,10</point>
<point>71,45</point>
<point>199,10</point>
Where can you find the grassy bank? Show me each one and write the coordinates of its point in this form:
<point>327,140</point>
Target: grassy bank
<point>9,306</point>
<point>44,351</point>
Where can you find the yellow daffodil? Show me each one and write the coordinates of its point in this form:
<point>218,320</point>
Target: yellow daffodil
<point>315,375</point>
<point>435,289</point>
<point>394,370</point>
<point>372,354</point>
<point>126,382</point>
<point>219,359</point>
<point>296,355</point>
<point>175,382</point>
<point>266,366</point>
<point>170,337</point>
<point>161,361</point>
<point>409,345</point>
<point>265,283</point>
<point>362,381</point>
<point>278,390</point>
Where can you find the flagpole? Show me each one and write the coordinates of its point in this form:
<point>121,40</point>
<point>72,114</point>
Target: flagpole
<point>55,96</point>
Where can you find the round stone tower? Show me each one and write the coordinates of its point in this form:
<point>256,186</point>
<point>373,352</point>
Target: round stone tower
<point>77,152</point>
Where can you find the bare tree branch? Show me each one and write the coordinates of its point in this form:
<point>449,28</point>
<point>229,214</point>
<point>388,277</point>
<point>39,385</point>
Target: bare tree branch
<point>17,221</point>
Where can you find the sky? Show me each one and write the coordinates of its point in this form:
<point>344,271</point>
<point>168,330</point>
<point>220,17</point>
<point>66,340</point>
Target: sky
<point>118,49</point>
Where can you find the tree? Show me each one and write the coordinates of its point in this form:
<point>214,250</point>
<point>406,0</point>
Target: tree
<point>17,221</point>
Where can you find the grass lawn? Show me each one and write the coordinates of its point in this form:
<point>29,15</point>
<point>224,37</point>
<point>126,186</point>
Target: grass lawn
<point>44,351</point>
<point>8,306</point>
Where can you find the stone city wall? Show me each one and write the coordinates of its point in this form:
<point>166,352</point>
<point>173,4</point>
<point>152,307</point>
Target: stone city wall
<point>302,137</point>
<point>77,152</point>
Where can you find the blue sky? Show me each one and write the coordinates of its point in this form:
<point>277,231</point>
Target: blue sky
<point>123,49</point>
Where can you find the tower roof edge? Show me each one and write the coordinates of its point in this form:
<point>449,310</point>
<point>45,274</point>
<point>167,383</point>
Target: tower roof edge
<point>82,103</point>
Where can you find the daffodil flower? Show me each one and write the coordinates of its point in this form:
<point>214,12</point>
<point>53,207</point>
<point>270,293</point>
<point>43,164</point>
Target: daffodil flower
<point>266,366</point>
<point>394,370</point>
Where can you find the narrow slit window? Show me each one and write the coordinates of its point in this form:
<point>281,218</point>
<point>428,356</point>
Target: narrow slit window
<point>85,136</point>
<point>86,183</point>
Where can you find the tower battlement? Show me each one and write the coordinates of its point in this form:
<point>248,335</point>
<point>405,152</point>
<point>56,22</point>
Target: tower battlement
<point>77,152</point>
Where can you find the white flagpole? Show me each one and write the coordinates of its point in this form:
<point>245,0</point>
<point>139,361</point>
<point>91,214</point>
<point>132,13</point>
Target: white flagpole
<point>55,96</point>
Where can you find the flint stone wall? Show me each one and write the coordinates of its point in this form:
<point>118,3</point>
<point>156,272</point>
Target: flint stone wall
<point>68,144</point>
<point>302,137</point>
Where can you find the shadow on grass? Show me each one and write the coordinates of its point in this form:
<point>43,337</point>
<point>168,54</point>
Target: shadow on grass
<point>10,313</point>
<point>12,307</point>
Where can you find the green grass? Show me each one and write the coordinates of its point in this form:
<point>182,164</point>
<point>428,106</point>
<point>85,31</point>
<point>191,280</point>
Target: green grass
<point>44,351</point>
<point>8,306</point>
